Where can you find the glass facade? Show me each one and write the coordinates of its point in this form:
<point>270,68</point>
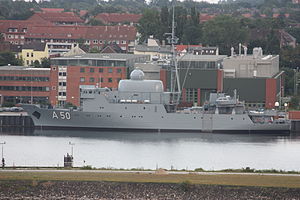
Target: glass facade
<point>88,62</point>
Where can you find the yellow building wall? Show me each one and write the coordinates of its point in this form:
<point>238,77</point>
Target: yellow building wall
<point>29,56</point>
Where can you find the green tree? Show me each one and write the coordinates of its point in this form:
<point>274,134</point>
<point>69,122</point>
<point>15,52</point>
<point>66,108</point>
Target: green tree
<point>45,62</point>
<point>273,45</point>
<point>149,24</point>
<point>9,58</point>
<point>37,64</point>
<point>225,32</point>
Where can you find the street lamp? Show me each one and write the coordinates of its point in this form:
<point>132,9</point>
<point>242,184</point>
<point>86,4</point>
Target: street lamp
<point>72,144</point>
<point>3,161</point>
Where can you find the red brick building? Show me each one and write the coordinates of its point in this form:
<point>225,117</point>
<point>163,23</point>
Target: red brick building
<point>62,37</point>
<point>19,84</point>
<point>14,31</point>
<point>101,70</point>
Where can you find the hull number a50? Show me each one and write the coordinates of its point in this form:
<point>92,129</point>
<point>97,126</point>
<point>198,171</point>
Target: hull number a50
<point>61,115</point>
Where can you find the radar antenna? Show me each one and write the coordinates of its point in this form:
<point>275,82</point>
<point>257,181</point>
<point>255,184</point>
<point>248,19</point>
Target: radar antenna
<point>172,39</point>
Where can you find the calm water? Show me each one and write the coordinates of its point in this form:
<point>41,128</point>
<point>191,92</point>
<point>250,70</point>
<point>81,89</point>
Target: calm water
<point>151,150</point>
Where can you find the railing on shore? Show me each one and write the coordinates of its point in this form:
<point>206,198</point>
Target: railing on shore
<point>16,120</point>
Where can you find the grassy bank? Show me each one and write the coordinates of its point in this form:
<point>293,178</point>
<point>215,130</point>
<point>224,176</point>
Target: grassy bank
<point>215,179</point>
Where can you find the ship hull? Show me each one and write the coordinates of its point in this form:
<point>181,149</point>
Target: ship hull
<point>171,122</point>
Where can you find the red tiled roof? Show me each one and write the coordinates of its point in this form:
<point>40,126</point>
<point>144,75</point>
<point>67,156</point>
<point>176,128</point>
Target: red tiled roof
<point>180,48</point>
<point>53,10</point>
<point>118,17</point>
<point>247,15</point>
<point>56,32</point>
<point>276,15</point>
<point>206,17</point>
<point>57,17</point>
<point>111,32</point>
<point>19,24</point>
<point>85,32</point>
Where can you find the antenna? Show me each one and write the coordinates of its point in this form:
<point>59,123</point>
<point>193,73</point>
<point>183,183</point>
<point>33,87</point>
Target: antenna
<point>174,68</point>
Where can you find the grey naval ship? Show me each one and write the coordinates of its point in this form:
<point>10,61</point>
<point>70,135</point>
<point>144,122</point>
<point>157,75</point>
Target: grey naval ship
<point>140,104</point>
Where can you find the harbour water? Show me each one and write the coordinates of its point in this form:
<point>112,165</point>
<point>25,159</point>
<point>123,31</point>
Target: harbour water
<point>151,150</point>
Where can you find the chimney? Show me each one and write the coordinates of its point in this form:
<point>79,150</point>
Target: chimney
<point>245,51</point>
<point>232,51</point>
<point>240,49</point>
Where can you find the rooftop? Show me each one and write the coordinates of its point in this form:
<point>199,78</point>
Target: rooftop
<point>97,56</point>
<point>9,67</point>
<point>36,46</point>
<point>145,48</point>
<point>192,57</point>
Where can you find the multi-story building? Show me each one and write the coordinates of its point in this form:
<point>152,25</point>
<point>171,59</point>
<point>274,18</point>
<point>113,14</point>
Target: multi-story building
<point>154,49</point>
<point>19,84</point>
<point>63,37</point>
<point>32,52</point>
<point>100,70</point>
<point>257,78</point>
<point>14,31</point>
<point>199,76</point>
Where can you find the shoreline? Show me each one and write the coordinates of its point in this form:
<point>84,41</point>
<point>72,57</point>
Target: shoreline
<point>142,191</point>
<point>158,176</point>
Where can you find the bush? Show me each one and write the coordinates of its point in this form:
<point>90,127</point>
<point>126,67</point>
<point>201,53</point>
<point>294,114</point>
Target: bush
<point>185,185</point>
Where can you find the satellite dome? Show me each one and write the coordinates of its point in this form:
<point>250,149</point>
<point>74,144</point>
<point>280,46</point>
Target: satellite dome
<point>137,74</point>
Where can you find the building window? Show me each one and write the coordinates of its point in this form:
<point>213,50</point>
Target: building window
<point>27,62</point>
<point>31,54</point>
<point>62,94</point>
<point>92,80</point>
<point>101,80</point>
<point>82,69</point>
<point>100,41</point>
<point>92,70</point>
<point>123,42</point>
<point>110,70</point>
<point>119,70</point>
<point>110,80</point>
<point>95,41</point>
<point>62,83</point>
<point>101,70</point>
<point>82,79</point>
<point>27,54</point>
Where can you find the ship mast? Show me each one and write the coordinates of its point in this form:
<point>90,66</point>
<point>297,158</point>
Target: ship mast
<point>174,68</point>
